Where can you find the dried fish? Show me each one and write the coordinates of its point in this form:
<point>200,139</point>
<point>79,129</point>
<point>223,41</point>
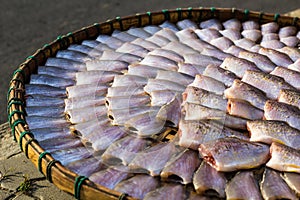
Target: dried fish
<point>245,43</point>
<point>293,181</point>
<point>222,43</point>
<point>271,27</point>
<point>79,115</point>
<point>125,91</point>
<point>268,131</point>
<point>290,76</point>
<point>190,69</point>
<point>126,102</point>
<point>95,76</point>
<point>129,80</point>
<point>211,23</point>
<point>56,71</point>
<point>254,35</point>
<point>65,64</point>
<point>220,74</point>
<point>230,154</point>
<point>287,31</point>
<point>145,44</point>
<point>85,50</point>
<point>250,24</point>
<point>45,90</point>
<point>276,57</point>
<point>107,65</point>
<point>208,181</point>
<point>243,109</point>
<point>167,33</point>
<point>162,97</point>
<point>291,41</point>
<point>291,97</point>
<point>87,166</point>
<point>168,54</point>
<point>238,66</point>
<point>42,134</point>
<point>209,84</point>
<point>173,76</point>
<point>167,191</point>
<point>35,122</point>
<point>114,55</point>
<point>143,70</point>
<point>61,147</point>
<point>83,102</point>
<point>160,62</point>
<point>133,49</point>
<point>86,90</point>
<point>41,100</point>
<point>293,53</point>
<point>73,55</point>
<point>231,34</point>
<point>160,84</point>
<point>169,25</point>
<point>96,45</point>
<point>232,24</point>
<point>50,111</point>
<point>208,34</point>
<point>139,32</point>
<point>215,53</point>
<point>204,60</point>
<point>123,35</point>
<point>110,41</point>
<point>186,23</point>
<point>179,48</point>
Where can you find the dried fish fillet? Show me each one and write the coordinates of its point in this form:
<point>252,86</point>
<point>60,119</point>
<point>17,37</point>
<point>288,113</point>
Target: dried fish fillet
<point>238,66</point>
<point>220,74</point>
<point>243,109</point>
<point>290,97</point>
<point>127,102</point>
<point>293,181</point>
<point>290,76</point>
<point>209,84</point>
<point>167,191</point>
<point>53,81</point>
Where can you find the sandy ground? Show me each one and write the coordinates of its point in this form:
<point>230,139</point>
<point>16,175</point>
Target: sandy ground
<point>26,26</point>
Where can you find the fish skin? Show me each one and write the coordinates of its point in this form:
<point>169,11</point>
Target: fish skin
<point>73,55</point>
<point>220,74</point>
<point>203,97</point>
<point>186,34</point>
<point>268,131</point>
<point>160,62</point>
<point>208,34</point>
<point>86,90</point>
<point>160,84</point>
<point>243,186</point>
<point>197,58</point>
<point>278,58</point>
<point>190,69</point>
<point>222,43</point>
<point>271,27</point>
<point>284,158</point>
<point>273,186</point>
<point>42,134</point>
<point>139,32</point>
<point>158,40</point>
<point>246,92</point>
<point>83,102</point>
<point>125,91</point>
<point>180,48</point>
<point>290,76</point>
<point>79,115</point>
<point>169,25</point>
<point>65,64</point>
<point>261,61</point>
<point>152,29</point>
<point>85,49</point>
<point>209,181</point>
<point>96,45</point>
<point>119,56</point>
<point>143,70</point>
<point>126,102</point>
<point>291,41</point>
<point>275,110</point>
<point>231,154</point>
<point>209,84</point>
<point>35,122</point>
<point>133,49</point>
<point>231,34</point>
<point>211,23</point>
<point>250,24</point>
<point>168,54</point>
<point>290,97</point>
<point>106,65</point>
<point>41,100</point>
<point>234,50</point>
<point>167,33</point>
<point>272,44</point>
<point>173,76</point>
<point>88,127</point>
<point>186,23</point>
<point>51,80</point>
<point>183,167</point>
<point>295,66</point>
<point>243,109</point>
<point>123,35</point>
<point>49,111</point>
<point>95,76</point>
<point>146,44</point>
<point>287,31</point>
<point>293,181</point>
<point>137,186</point>
<point>167,191</point>
<point>162,97</point>
<point>110,41</point>
<point>232,24</point>
<point>270,36</point>
<point>215,53</point>
<point>238,66</point>
<point>111,176</point>
<point>56,71</point>
<point>268,83</point>
<point>254,35</point>
<point>153,159</point>
<point>292,52</point>
<point>86,167</point>
<point>71,154</point>
<point>244,43</point>
<point>61,147</point>
<point>124,150</point>
<point>192,133</point>
<point>129,80</point>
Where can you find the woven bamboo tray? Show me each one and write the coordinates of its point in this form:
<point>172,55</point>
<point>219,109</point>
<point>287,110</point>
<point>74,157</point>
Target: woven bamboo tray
<point>64,179</point>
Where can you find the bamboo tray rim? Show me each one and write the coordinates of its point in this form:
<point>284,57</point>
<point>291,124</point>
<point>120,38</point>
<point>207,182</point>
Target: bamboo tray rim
<point>63,178</point>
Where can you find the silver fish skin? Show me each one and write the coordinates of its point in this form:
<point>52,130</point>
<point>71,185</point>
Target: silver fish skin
<point>65,64</point>
<point>35,122</point>
<point>158,40</point>
<point>79,115</point>
<point>271,27</point>
<point>146,44</point>
<point>50,80</point>
<point>41,100</point>
<point>222,43</point>
<point>243,186</point>
<point>153,159</point>
<point>186,23</point>
<point>177,77</point>
<point>86,90</point>
<point>56,71</point>
<point>126,102</point>
<point>113,55</point>
<point>276,57</point>
<point>83,102</point>
<point>287,31</point>
<point>268,131</point>
<point>234,50</point>
<point>73,55</point>
<point>203,97</point>
<point>220,74</point>
<point>244,91</point>
<point>255,48</point>
<point>169,25</point>
<point>290,76</point>
<point>86,166</point>
<point>293,181</point>
<point>208,34</point>
<point>272,44</point>
<point>106,65</point>
<point>152,29</point>
<point>291,97</point>
<point>139,32</point>
<point>192,133</point>
<point>123,35</point>
<point>261,61</point>
<point>295,66</point>
<point>137,186</point>
<point>186,34</point>
<point>291,41</point>
<point>160,84</point>
<point>284,158</point>
<point>230,154</point>
<point>268,83</point>
<point>190,69</point>
<point>238,66</point>
<point>160,62</point>
<point>208,181</point>
<point>96,45</point>
<point>244,43</point>
<point>273,186</point>
<point>203,59</point>
<point>209,84</point>
<point>69,155</point>
<point>125,91</point>
<point>50,111</point>
<point>162,97</point>
<point>95,76</point>
<point>183,167</point>
<point>42,134</point>
<point>248,25</point>
<point>232,24</point>
<point>197,44</point>
<point>123,150</point>
<point>45,90</point>
<point>168,54</point>
<point>133,49</point>
<point>292,52</point>
<point>231,34</point>
<point>167,191</point>
<point>179,48</point>
<point>211,23</point>
<point>215,53</point>
<point>64,146</point>
<point>129,80</point>
<point>243,109</point>
<point>111,176</point>
<point>254,35</point>
<point>167,33</point>
<point>85,49</point>
<point>270,36</point>
<point>110,41</point>
<point>143,70</point>
<point>275,110</point>
<point>88,127</point>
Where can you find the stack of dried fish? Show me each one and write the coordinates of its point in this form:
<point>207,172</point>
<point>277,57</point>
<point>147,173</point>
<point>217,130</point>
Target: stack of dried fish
<point>231,89</point>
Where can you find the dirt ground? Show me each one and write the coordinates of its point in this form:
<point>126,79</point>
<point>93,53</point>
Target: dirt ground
<point>26,25</point>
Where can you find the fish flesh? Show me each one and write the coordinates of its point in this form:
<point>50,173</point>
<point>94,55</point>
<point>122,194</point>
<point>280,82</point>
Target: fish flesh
<point>284,158</point>
<point>290,97</point>
<point>243,109</point>
<point>230,154</point>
